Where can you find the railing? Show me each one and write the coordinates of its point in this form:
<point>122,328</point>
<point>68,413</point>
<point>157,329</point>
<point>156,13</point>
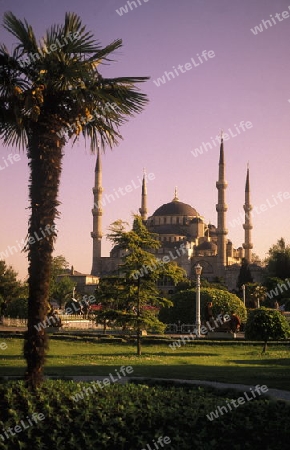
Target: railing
<point>10,322</point>
<point>68,321</point>
<point>180,328</point>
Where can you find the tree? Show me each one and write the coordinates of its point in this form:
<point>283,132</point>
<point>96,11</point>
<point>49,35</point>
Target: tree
<point>255,294</point>
<point>245,275</point>
<point>47,97</point>
<point>112,297</point>
<point>184,305</point>
<point>60,288</point>
<point>17,308</point>
<point>264,324</point>
<point>278,262</point>
<point>255,259</point>
<point>10,287</point>
<point>140,271</point>
<point>275,290</point>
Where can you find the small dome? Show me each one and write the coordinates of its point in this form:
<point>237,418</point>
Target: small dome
<point>197,220</point>
<point>207,246</point>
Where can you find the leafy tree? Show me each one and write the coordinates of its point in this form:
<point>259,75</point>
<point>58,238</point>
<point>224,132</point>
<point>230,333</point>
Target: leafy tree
<point>218,283</point>
<point>278,262</point>
<point>118,306</point>
<point>255,294</point>
<point>10,287</point>
<point>264,324</point>
<point>273,292</point>
<point>60,288</point>
<point>184,305</point>
<point>113,297</point>
<point>255,259</point>
<point>44,103</point>
<point>140,272</point>
<point>17,308</point>
<point>245,275</point>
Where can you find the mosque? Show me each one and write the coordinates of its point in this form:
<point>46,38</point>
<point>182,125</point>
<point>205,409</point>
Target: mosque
<point>184,235</point>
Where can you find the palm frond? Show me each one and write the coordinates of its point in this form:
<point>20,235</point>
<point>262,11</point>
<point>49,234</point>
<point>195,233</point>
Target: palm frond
<point>22,31</point>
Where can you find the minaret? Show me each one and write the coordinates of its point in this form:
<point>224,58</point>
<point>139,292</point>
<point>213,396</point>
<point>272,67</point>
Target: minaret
<point>143,210</point>
<point>248,221</point>
<point>97,218</point>
<point>221,208</point>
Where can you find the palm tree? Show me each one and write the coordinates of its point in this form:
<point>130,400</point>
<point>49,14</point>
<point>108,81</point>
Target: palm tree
<point>48,95</point>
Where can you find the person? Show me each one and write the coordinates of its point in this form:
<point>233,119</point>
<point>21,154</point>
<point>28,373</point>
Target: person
<point>276,305</point>
<point>235,322</point>
<point>209,313</point>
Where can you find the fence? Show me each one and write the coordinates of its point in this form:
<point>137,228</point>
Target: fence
<point>68,322</point>
<point>180,328</point>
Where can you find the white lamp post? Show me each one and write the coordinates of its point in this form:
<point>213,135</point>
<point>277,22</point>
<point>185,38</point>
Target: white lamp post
<point>198,270</point>
<point>244,294</point>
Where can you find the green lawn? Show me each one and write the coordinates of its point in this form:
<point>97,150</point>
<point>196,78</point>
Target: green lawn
<point>215,362</point>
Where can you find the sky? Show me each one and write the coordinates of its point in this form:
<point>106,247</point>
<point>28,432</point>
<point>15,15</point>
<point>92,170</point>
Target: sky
<point>243,78</point>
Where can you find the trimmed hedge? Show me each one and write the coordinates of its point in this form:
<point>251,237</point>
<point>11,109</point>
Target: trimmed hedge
<point>184,303</point>
<point>128,417</point>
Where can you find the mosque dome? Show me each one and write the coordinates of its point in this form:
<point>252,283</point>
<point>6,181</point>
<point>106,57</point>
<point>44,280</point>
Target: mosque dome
<point>176,208</point>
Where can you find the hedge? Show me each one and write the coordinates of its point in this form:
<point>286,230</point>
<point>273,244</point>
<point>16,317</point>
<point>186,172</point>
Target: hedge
<point>128,417</point>
<point>184,305</point>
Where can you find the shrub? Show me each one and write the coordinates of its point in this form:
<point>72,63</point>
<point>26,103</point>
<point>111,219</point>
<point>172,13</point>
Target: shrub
<point>130,417</point>
<point>17,308</point>
<point>264,324</point>
<point>184,305</point>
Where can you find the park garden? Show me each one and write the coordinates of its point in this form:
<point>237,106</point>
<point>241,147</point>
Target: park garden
<point>68,391</point>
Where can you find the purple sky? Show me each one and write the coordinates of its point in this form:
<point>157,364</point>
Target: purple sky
<point>247,80</point>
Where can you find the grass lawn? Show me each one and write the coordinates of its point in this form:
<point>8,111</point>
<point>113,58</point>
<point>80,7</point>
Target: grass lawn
<point>214,362</point>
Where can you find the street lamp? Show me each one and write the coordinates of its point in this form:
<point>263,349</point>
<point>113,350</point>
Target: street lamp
<point>244,294</point>
<point>198,270</point>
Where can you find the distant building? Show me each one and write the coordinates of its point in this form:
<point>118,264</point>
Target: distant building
<point>85,283</point>
<point>184,235</point>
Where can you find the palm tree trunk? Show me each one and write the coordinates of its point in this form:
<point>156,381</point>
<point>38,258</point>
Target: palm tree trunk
<point>45,156</point>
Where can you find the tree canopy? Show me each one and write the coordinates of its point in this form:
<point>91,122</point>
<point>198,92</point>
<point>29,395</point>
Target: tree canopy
<point>278,262</point>
<point>184,305</point>
<point>264,324</point>
<point>136,294</point>
<point>10,287</point>
<point>60,288</point>
<point>245,275</point>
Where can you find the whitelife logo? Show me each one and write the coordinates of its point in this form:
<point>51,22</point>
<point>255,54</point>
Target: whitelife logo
<point>31,57</point>
<point>203,330</point>
<point>226,136</point>
<point>269,203</point>
<point>124,9</point>
<point>158,262</point>
<point>265,23</point>
<point>30,240</point>
<point>108,198</point>
<point>236,403</point>
<point>11,159</point>
<point>101,384</point>
<point>21,426</point>
<point>206,55</point>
